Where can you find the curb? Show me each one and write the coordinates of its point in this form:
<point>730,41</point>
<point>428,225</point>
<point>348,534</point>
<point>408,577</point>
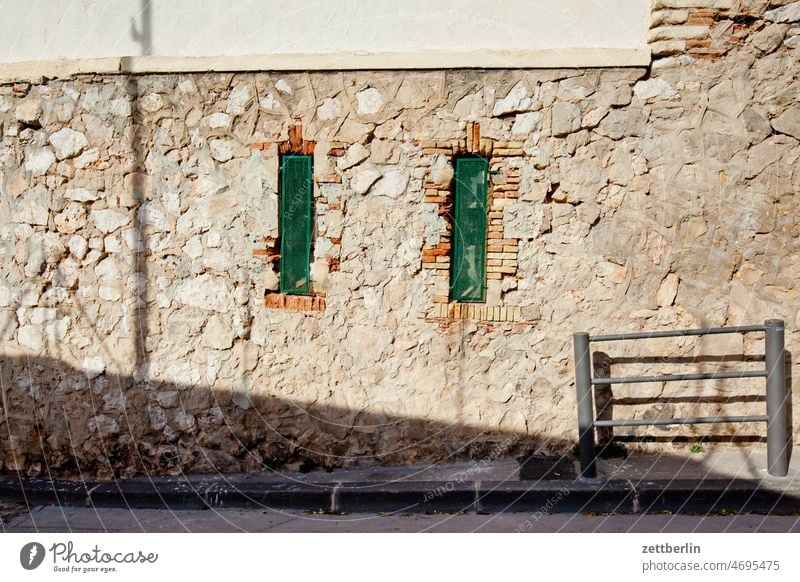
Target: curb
<point>560,496</point>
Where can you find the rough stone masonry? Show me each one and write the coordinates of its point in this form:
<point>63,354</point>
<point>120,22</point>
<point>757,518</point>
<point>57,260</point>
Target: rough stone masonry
<point>141,328</point>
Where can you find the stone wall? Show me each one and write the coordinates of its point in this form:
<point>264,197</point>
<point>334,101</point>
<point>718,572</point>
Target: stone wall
<point>140,329</point>
<point>708,29</point>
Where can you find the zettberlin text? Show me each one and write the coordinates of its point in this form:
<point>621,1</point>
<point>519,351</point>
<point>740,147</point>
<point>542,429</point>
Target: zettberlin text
<point>671,549</point>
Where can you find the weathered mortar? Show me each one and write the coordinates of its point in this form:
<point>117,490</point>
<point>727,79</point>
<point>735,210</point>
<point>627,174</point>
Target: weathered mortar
<point>648,200</point>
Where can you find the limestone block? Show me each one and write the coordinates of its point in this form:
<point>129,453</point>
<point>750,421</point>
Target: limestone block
<point>353,131</point>
<point>725,99</point>
<point>207,292</point>
<point>770,38</point>
<point>681,32</point>
<point>133,240</point>
<point>369,101</point>
<point>518,99</point>
<point>475,105</point>
<point>31,207</point>
<point>109,220</point>
<point>239,98</point>
<point>87,158</point>
<point>623,122</point>
<point>392,184</point>
<point>667,48</point>
<point>81,194</point>
<point>221,149</point>
<point>29,337</point>
<point>526,123</point>
<point>71,219</point>
<point>68,143</point>
<point>120,107</point>
<point>218,120</point>
<point>29,111</point>
<point>363,178</point>
<point>8,325</point>
<point>151,102</point>
<point>525,220</point>
<point>331,108</point>
<point>354,155</point>
<point>566,118</point>
<point>652,89</point>
<point>766,153</point>
<point>788,122</point>
<point>788,13</point>
<point>588,212</point>
<point>39,161</point>
<point>667,291</point>
<point>384,151</point>
<point>661,17</point>
<point>218,333</point>
<point>441,170</point>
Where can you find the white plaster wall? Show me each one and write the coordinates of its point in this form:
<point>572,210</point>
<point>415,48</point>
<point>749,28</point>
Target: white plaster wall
<point>43,30</point>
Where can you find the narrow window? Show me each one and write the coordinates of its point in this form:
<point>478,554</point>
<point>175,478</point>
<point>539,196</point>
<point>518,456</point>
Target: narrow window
<point>469,232</point>
<point>295,225</point>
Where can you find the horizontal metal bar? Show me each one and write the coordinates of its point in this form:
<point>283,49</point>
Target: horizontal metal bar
<point>676,333</point>
<point>680,377</point>
<point>695,420</point>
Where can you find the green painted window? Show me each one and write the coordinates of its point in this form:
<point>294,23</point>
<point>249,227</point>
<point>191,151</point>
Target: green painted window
<point>295,226</point>
<point>468,272</point>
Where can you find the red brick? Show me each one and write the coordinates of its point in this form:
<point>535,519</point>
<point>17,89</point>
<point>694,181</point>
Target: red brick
<point>700,20</point>
<point>330,179</point>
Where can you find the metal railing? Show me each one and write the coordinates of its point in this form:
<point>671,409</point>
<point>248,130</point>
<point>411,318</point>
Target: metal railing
<point>775,373</point>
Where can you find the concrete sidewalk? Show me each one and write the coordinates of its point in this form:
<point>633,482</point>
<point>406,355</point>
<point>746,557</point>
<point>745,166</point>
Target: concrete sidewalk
<point>723,479</point>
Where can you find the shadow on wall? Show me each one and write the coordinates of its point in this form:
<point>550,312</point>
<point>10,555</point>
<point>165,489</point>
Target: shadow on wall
<point>58,421</point>
<point>139,147</point>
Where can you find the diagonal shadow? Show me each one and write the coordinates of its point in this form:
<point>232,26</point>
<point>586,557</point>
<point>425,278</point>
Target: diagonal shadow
<point>118,427</point>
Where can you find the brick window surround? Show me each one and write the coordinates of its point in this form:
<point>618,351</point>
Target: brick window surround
<point>268,247</point>
<point>501,251</point>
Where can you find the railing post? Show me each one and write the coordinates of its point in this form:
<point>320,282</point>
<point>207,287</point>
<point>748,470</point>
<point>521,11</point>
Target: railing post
<point>583,386</point>
<point>777,446</point>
